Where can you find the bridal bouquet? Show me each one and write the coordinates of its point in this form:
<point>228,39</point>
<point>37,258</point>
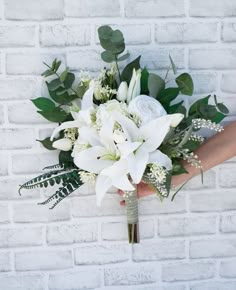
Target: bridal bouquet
<point>120,128</point>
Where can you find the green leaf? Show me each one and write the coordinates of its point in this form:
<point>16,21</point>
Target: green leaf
<point>43,104</point>
<point>81,90</point>
<point>144,81</point>
<point>128,70</point>
<point>178,168</point>
<point>218,117</point>
<point>167,95</point>
<point>69,79</point>
<point>63,75</point>
<point>57,65</point>
<point>173,65</point>
<point>47,73</point>
<point>185,83</point>
<point>222,108</point>
<point>123,57</point>
<point>54,84</point>
<point>56,115</point>
<point>155,84</point>
<point>65,98</point>
<point>47,143</point>
<point>108,56</point>
<point>192,145</point>
<point>207,111</point>
<point>194,108</point>
<point>174,108</point>
<point>54,63</point>
<point>65,157</point>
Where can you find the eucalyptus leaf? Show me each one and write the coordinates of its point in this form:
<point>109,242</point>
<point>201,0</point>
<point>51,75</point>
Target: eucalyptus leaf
<point>63,75</point>
<point>47,143</point>
<point>43,104</point>
<point>54,84</point>
<point>155,84</point>
<point>123,57</point>
<point>173,65</point>
<point>144,81</point>
<point>69,80</point>
<point>108,56</point>
<point>185,83</point>
<point>194,108</point>
<point>222,108</point>
<point>167,95</point>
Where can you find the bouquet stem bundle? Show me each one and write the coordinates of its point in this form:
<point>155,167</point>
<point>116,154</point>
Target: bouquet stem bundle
<point>131,201</point>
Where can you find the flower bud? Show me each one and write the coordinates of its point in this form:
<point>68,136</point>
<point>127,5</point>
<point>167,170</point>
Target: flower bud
<point>63,144</point>
<point>134,86</point>
<point>122,92</point>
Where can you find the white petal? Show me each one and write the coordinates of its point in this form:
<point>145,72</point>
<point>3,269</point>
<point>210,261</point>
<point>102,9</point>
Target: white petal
<point>127,147</point>
<point>123,183</point>
<point>106,135</point>
<point>118,168</point>
<point>63,126</point>
<point>176,119</point>
<point>159,158</point>
<point>87,100</point>
<point>131,86</point>
<point>89,160</point>
<point>63,144</point>
<point>89,136</point>
<point>137,164</point>
<point>103,183</point>
<point>128,126</point>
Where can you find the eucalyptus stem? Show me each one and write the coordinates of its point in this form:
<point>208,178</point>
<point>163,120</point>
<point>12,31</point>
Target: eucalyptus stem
<point>117,66</point>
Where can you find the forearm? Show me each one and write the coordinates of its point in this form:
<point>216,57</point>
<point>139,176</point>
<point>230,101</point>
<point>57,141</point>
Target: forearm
<point>214,151</point>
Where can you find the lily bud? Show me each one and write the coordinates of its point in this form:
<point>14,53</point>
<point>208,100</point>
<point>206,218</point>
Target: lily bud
<point>122,92</point>
<point>134,86</point>
<point>63,144</point>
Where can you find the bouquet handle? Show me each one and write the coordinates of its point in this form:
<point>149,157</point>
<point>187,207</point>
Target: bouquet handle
<point>131,201</point>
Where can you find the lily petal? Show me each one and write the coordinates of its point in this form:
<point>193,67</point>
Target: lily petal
<point>89,136</point>
<point>137,163</point>
<point>127,147</point>
<point>89,160</point>
<point>103,183</point>
<point>87,100</point>
<point>159,158</point>
<point>123,183</point>
<point>128,126</point>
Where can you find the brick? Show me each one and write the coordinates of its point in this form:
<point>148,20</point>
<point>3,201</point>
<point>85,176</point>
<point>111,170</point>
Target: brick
<point>18,88</point>
<point>228,83</point>
<point>65,35</point>
<point>209,181</point>
<point>16,138</point>
<point>71,280</point>
<point>129,31</point>
<point>115,231</point>
<point>159,250</point>
<point>31,213</point>
<point>24,113</point>
<point>186,32</point>
<point>212,202</point>
<point>217,285</point>
<point>227,178</point>
<point>83,8</point>
<point>2,115</point>
<point>151,205</point>
<point>20,237</point>
<point>204,82</point>
<point>187,271</point>
<point>213,248</point>
<point>3,164</point>
<point>158,58</point>
<point>9,189</point>
<point>212,58</point>
<point>228,269</point>
<point>228,33</point>
<point>30,10</point>
<point>99,255</point>
<point>69,234</point>
<point>5,263</point>
<point>185,226</point>
<point>28,63</point>
<point>43,260</point>
<point>169,287</point>
<point>87,207</point>
<point>151,8</point>
<point>88,60</point>
<point>22,282</point>
<point>4,214</point>
<point>228,223</point>
<point>33,163</point>
<point>212,8</point>
<point>132,275</point>
<point>17,36</point>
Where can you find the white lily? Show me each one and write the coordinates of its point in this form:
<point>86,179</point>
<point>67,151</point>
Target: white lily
<point>82,118</point>
<point>151,135</point>
<point>134,85</point>
<point>63,144</point>
<point>122,92</point>
<point>106,159</point>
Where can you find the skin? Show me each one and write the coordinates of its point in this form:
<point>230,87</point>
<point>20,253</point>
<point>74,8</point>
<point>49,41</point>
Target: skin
<point>214,151</point>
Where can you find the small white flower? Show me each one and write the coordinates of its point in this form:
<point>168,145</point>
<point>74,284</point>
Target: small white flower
<point>87,177</point>
<point>63,144</point>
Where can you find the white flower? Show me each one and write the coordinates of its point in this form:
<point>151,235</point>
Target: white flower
<point>146,108</point>
<point>119,136</point>
<point>134,85</point>
<point>63,144</point>
<point>122,92</point>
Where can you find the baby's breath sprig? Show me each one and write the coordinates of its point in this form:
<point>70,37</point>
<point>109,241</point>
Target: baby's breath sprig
<point>202,123</point>
<point>87,177</point>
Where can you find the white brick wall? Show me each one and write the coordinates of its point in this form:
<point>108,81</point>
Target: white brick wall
<point>186,245</point>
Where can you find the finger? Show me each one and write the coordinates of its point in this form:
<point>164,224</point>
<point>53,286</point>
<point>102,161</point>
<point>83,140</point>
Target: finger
<point>122,203</point>
<point>120,192</point>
